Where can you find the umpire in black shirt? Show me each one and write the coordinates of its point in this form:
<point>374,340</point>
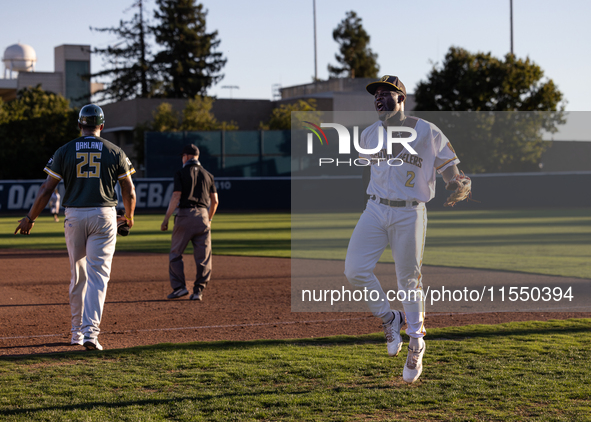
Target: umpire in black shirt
<point>196,197</point>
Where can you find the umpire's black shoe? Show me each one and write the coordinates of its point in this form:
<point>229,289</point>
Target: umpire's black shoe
<point>196,296</point>
<point>180,292</point>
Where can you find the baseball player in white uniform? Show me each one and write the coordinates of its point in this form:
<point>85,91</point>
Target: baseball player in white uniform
<point>401,183</point>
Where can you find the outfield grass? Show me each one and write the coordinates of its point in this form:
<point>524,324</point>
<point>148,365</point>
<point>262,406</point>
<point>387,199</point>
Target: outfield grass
<point>517,371</point>
<point>250,234</point>
<point>554,242</point>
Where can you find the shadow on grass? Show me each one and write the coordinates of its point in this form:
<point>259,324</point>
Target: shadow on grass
<point>32,235</point>
<point>521,329</point>
<point>150,402</point>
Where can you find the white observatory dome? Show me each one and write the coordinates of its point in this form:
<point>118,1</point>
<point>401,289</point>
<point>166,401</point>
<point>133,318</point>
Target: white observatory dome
<point>20,58</point>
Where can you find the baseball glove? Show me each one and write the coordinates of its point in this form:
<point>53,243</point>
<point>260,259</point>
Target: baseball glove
<point>122,226</point>
<point>462,187</point>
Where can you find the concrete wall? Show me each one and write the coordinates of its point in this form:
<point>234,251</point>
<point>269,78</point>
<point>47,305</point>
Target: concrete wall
<point>247,113</point>
<point>69,52</point>
<point>66,52</point>
<point>49,81</point>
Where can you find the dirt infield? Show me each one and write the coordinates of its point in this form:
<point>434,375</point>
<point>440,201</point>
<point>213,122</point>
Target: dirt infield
<point>248,298</point>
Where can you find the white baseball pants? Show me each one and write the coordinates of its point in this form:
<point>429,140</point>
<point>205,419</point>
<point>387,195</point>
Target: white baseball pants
<point>404,228</point>
<point>91,234</point>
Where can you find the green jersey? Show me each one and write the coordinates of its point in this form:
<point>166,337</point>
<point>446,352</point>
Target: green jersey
<point>90,168</point>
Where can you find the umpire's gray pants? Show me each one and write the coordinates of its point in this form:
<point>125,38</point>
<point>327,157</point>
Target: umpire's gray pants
<point>191,225</point>
<point>91,234</point>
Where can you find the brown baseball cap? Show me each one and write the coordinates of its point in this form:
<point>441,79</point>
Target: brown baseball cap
<point>387,81</point>
<point>190,149</point>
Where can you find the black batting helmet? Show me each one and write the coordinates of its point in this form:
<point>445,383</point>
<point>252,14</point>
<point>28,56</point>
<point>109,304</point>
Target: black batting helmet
<point>91,115</point>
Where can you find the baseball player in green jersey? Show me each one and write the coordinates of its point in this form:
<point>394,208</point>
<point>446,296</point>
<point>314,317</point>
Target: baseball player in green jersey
<point>90,167</point>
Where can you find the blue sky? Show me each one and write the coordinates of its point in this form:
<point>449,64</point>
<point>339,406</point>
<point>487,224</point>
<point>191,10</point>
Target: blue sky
<point>270,42</point>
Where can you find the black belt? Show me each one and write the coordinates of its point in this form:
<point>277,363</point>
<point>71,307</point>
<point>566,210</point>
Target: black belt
<point>393,203</point>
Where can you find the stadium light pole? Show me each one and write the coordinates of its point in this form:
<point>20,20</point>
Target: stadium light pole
<point>511,22</point>
<point>315,49</point>
<point>231,88</point>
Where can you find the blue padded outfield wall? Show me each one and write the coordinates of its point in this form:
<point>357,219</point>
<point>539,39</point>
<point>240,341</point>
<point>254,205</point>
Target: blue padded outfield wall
<point>494,191</point>
<point>153,195</point>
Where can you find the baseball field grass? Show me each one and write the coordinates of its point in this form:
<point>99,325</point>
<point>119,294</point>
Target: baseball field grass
<point>510,372</point>
<point>553,242</point>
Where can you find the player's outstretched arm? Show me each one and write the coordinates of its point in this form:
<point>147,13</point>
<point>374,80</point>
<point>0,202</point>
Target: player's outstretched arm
<point>128,196</point>
<point>43,195</point>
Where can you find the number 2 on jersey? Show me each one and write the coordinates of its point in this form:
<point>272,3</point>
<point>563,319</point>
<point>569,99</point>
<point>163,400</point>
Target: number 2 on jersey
<point>411,177</point>
<point>94,164</point>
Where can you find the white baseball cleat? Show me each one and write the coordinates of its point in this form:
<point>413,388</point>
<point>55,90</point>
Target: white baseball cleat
<point>392,332</point>
<point>77,339</point>
<point>92,344</point>
<point>414,361</point>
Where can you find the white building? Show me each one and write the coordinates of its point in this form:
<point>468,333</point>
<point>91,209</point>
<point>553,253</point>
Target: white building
<point>71,62</point>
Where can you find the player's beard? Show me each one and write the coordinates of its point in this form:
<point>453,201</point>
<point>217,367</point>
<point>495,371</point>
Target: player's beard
<point>389,110</point>
<point>386,115</point>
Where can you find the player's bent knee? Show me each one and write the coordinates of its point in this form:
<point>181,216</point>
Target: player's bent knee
<point>350,274</point>
<point>355,276</point>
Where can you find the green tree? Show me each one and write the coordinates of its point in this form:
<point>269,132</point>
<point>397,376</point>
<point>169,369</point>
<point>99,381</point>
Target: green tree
<point>281,116</point>
<point>32,127</point>
<point>165,119</point>
<point>356,58</point>
<point>188,63</point>
<point>3,113</point>
<point>491,141</point>
<point>481,82</point>
<point>196,116</point>
<point>128,71</point>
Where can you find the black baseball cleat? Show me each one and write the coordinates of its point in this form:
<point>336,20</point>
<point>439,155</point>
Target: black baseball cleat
<point>196,296</point>
<point>180,292</point>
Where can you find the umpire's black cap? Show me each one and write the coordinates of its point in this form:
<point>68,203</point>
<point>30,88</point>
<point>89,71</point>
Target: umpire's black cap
<point>190,149</point>
<point>387,81</point>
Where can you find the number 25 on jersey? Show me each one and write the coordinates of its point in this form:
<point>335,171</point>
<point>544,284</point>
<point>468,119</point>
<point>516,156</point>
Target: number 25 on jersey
<point>90,166</point>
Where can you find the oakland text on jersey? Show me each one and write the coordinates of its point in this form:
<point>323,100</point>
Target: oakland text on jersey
<point>98,145</point>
